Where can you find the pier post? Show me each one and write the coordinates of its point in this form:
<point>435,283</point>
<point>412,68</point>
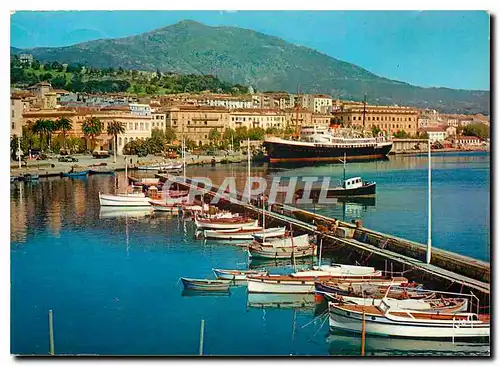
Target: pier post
<point>202,334</point>
<point>51,334</point>
<point>363,331</point>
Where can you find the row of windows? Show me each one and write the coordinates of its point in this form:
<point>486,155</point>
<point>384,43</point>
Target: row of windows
<point>255,119</point>
<point>385,118</point>
<point>161,116</point>
<point>157,124</point>
<point>142,126</point>
<point>389,125</point>
<point>194,123</point>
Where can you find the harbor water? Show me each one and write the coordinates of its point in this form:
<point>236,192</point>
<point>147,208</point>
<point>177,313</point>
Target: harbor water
<point>111,277</point>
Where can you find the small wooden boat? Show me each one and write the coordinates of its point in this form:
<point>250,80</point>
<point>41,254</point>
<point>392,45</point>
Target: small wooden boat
<point>448,305</point>
<point>385,321</point>
<point>399,289</point>
<point>272,232</point>
<point>236,275</point>
<point>290,241</point>
<point>124,199</point>
<point>270,252</point>
<point>304,282</point>
<point>232,234</point>
<point>82,173</point>
<point>225,223</point>
<point>205,284</point>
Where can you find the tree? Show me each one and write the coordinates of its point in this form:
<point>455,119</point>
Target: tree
<point>169,134</point>
<point>240,134</point>
<point>92,127</point>
<point>47,66</point>
<point>190,144</point>
<point>64,124</point>
<point>45,76</point>
<point>476,129</point>
<point>256,133</point>
<point>42,127</point>
<point>376,130</point>
<point>35,65</point>
<point>272,131</point>
<point>228,137</point>
<point>58,82</point>
<point>400,134</point>
<point>214,136</point>
<point>114,129</point>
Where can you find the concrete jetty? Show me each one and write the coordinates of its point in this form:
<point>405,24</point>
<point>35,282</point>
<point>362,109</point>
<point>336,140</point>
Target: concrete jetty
<point>450,271</point>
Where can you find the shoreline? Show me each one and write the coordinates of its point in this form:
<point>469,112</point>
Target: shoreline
<point>44,168</point>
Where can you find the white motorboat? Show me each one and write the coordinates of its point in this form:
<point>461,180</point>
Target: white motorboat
<point>383,320</point>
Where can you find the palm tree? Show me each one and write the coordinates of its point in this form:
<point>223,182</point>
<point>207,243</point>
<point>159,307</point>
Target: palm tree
<point>64,124</point>
<point>114,129</point>
<point>41,127</point>
<point>92,127</point>
<point>50,126</point>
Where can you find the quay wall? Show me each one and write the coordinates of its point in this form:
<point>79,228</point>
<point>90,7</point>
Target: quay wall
<point>453,262</point>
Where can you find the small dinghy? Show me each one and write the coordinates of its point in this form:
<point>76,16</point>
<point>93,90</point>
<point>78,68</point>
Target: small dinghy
<point>82,173</point>
<point>235,275</point>
<point>205,284</point>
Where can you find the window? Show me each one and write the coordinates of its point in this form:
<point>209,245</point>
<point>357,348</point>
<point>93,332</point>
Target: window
<point>13,126</point>
<point>12,102</point>
<point>393,118</point>
<point>13,113</point>
<point>119,141</point>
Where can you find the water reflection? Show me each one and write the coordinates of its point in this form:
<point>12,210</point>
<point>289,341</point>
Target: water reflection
<point>345,343</point>
<point>280,301</point>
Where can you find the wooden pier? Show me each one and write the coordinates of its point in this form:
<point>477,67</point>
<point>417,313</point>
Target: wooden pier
<point>448,270</point>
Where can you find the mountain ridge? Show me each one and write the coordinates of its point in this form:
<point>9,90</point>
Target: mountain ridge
<point>249,57</point>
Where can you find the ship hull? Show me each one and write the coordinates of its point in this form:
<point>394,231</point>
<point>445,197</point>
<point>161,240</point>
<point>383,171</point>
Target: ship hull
<point>282,151</point>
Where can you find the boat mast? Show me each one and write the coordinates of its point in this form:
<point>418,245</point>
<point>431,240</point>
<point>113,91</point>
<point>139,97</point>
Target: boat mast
<point>184,158</point>
<point>248,163</point>
<point>364,112</point>
<point>297,112</point>
<point>345,160</point>
<point>263,218</point>
<point>126,174</point>
<point>429,207</point>
<point>19,151</point>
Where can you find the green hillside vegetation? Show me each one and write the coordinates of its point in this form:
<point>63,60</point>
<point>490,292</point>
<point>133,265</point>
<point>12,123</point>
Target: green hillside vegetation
<point>241,56</point>
<point>77,78</point>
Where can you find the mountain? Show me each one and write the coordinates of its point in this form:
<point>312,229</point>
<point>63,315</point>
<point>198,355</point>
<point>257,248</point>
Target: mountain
<point>267,63</point>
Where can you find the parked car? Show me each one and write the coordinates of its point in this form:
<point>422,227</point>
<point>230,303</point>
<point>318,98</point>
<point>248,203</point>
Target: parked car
<point>100,154</point>
<point>67,159</point>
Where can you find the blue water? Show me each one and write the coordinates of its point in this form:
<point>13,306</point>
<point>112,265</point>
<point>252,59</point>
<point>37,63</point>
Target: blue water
<point>112,279</point>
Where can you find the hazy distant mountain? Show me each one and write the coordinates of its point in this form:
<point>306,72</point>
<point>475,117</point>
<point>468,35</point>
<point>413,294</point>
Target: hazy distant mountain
<point>265,62</point>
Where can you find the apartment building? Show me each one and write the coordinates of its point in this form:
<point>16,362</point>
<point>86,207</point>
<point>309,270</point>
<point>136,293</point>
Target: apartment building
<point>195,122</point>
<point>390,119</point>
<point>257,117</point>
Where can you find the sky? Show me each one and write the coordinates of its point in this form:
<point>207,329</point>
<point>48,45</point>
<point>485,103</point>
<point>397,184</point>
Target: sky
<point>425,48</point>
